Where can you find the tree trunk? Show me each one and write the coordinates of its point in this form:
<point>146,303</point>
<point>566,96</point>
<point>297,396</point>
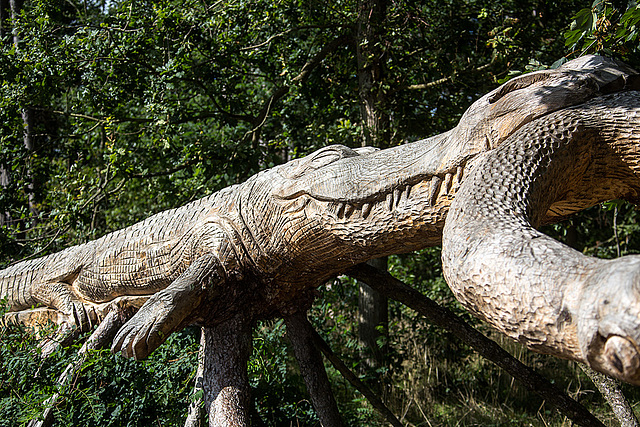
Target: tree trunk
<point>226,348</point>
<point>27,119</point>
<point>371,72</point>
<point>5,216</point>
<point>312,370</point>
<point>5,13</point>
<point>373,320</point>
<point>372,306</point>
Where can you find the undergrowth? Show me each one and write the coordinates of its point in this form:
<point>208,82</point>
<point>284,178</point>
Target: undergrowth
<point>430,379</point>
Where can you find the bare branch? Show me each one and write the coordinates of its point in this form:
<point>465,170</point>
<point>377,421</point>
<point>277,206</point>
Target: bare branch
<point>393,288</point>
<point>163,173</point>
<point>103,334</point>
<point>267,41</point>
<point>312,369</point>
<point>612,392</point>
<point>442,81</point>
<point>300,78</point>
<point>372,397</point>
<point>320,56</point>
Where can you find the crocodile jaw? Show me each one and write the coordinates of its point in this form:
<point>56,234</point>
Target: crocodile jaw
<point>397,219</point>
<point>371,177</point>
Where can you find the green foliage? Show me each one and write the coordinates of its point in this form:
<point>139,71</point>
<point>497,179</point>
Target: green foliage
<point>111,390</point>
<point>142,106</point>
<point>607,27</point>
<point>139,106</point>
<point>277,388</point>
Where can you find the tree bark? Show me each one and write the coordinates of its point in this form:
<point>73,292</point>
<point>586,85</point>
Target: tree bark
<point>371,71</point>
<point>373,320</point>
<point>312,369</point>
<point>372,306</point>
<point>612,392</point>
<point>5,216</point>
<point>27,118</point>
<point>367,392</point>
<point>226,348</point>
<point>5,13</point>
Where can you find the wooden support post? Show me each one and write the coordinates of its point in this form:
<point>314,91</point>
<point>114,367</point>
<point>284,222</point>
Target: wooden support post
<point>226,349</point>
<point>312,369</point>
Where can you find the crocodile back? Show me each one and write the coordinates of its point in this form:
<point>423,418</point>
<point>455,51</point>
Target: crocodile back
<point>137,260</point>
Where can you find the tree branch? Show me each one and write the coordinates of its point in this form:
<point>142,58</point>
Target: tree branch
<point>375,401</point>
<point>163,173</point>
<point>612,392</point>
<point>100,338</point>
<point>320,56</point>
<point>443,80</point>
<point>393,288</point>
<point>312,369</point>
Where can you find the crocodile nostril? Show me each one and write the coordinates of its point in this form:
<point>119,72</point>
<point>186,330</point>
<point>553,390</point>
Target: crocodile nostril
<point>616,362</point>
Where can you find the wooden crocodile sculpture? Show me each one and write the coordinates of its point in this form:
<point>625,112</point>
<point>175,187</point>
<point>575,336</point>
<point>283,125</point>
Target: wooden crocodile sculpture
<point>534,150</point>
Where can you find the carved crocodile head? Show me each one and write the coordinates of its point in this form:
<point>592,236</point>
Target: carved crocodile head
<point>362,203</point>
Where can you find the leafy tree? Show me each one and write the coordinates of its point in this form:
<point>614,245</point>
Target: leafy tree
<point>608,28</point>
<point>140,106</point>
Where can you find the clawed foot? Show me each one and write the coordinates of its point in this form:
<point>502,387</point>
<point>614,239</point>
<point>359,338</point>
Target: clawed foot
<point>80,316</point>
<point>69,322</point>
<point>167,309</point>
<point>609,319</point>
<point>151,325</point>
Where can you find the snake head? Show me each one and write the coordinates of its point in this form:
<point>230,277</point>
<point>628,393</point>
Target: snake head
<point>609,319</point>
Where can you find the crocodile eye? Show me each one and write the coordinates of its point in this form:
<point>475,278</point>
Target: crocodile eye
<point>319,159</point>
<point>323,158</point>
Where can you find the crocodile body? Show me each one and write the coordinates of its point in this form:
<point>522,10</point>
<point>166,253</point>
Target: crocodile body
<point>138,260</point>
<point>262,245</point>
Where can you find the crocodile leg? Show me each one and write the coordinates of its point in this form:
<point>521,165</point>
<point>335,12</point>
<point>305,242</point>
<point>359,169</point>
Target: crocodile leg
<point>165,311</point>
<point>531,287</point>
<point>60,296</point>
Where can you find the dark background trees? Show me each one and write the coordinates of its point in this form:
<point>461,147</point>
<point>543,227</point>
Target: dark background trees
<point>132,107</point>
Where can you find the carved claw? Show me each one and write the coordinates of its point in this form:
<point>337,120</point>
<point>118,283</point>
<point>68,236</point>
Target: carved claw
<point>75,319</point>
<point>166,310</point>
<point>149,327</point>
<point>81,316</point>
<point>608,319</point>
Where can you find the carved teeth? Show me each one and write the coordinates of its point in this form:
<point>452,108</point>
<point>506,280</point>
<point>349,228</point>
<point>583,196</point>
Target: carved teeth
<point>448,179</point>
<point>406,193</point>
<point>459,173</point>
<point>389,202</point>
<point>435,188</point>
<point>348,210</point>
<point>366,209</point>
<point>397,195</point>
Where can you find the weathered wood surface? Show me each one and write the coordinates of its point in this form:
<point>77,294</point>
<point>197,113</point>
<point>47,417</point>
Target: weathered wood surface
<point>534,150</point>
<point>536,290</point>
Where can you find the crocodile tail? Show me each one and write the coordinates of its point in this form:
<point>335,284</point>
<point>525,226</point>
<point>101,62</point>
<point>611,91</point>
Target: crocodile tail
<point>18,282</point>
